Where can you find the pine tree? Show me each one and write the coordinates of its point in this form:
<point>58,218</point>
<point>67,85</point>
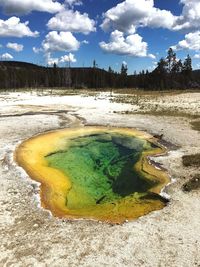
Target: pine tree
<point>161,74</point>
<point>171,59</point>
<point>124,69</point>
<point>94,64</point>
<point>177,66</point>
<point>187,71</point>
<point>187,65</point>
<point>110,70</point>
<point>161,66</point>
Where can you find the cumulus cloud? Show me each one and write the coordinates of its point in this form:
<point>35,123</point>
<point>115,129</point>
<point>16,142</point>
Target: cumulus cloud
<point>16,47</point>
<point>68,58</point>
<point>27,6</point>
<point>130,14</point>
<point>73,21</point>
<point>6,56</point>
<point>63,41</point>
<point>14,28</point>
<point>127,16</point>
<point>191,42</point>
<point>190,17</point>
<point>189,21</point>
<point>132,45</point>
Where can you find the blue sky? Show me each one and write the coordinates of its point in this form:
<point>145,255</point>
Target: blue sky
<point>109,31</point>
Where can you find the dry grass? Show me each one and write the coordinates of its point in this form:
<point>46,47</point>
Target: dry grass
<point>162,113</point>
<point>141,92</point>
<point>169,113</point>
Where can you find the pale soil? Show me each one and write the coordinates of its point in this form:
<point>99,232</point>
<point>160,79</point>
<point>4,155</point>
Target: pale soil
<point>30,236</point>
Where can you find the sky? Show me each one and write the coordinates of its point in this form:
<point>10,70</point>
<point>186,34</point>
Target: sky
<point>111,32</point>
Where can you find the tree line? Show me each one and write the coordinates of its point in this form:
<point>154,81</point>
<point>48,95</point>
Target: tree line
<point>170,73</point>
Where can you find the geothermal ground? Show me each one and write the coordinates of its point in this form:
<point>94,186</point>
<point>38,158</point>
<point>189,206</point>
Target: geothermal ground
<point>30,236</point>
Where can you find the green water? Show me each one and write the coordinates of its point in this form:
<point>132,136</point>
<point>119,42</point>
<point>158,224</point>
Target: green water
<point>100,168</point>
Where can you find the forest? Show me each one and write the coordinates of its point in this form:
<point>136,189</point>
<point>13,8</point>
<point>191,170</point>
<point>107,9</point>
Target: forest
<point>169,74</point>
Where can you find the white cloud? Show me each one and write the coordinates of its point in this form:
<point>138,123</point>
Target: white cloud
<point>125,18</point>
<point>68,58</point>
<point>132,45</point>
<point>27,6</point>
<point>16,47</point>
<point>14,28</point>
<point>189,21</point>
<point>37,50</point>
<point>191,42</point>
<point>197,56</point>
<point>155,64</point>
<point>85,42</point>
<point>49,60</point>
<point>152,56</point>
<point>73,2</point>
<point>73,21</point>
<point>190,17</point>
<point>131,14</point>
<point>6,56</point>
<point>63,41</point>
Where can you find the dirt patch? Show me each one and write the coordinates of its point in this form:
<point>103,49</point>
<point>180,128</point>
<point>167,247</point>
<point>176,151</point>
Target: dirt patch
<point>191,160</point>
<point>195,125</point>
<point>193,184</point>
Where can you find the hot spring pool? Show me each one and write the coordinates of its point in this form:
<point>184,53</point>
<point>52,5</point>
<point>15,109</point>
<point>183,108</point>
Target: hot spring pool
<point>95,173</point>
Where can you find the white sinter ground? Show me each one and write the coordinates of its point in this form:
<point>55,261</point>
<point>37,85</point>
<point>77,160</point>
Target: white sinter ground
<point>30,236</point>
